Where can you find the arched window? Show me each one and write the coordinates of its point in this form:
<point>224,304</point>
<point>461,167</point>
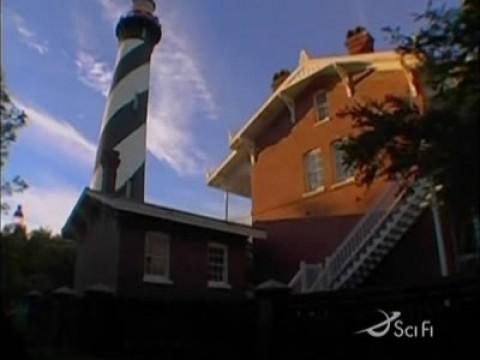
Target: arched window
<point>314,170</point>
<point>342,172</point>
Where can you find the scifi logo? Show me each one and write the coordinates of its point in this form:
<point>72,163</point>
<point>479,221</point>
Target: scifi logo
<point>400,330</point>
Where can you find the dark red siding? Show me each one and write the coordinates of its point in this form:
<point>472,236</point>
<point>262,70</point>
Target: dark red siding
<point>188,260</point>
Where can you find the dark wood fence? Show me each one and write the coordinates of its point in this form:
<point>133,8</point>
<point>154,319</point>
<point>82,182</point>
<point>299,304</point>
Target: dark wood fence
<point>273,325</point>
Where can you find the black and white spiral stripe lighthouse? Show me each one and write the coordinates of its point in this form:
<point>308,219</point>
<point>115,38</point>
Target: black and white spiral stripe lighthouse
<point>120,161</point>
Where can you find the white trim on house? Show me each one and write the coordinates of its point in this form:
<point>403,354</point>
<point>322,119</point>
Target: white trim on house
<point>155,279</point>
<point>219,285</point>
<point>347,181</point>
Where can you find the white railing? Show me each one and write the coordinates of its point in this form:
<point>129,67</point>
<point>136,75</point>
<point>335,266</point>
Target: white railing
<point>360,233</point>
<point>357,238</point>
<point>305,276</point>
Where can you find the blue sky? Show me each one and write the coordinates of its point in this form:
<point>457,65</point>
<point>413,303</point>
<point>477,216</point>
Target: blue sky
<point>210,73</point>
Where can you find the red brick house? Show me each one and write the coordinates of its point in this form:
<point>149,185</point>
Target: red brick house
<point>143,250</point>
<point>324,231</point>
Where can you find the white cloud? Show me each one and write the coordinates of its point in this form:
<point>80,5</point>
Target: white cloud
<point>44,206</point>
<point>49,206</point>
<point>93,72</point>
<point>178,94</point>
<point>27,35</point>
<point>57,134</point>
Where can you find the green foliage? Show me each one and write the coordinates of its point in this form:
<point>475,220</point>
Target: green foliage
<point>37,261</point>
<point>396,139</point>
<point>12,119</point>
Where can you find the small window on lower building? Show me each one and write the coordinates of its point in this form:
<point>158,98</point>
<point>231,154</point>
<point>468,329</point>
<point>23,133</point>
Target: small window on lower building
<point>217,264</point>
<point>342,171</point>
<point>157,257</point>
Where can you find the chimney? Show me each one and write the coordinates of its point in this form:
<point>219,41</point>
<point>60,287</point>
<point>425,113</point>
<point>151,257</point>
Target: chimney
<point>110,162</point>
<point>359,41</point>
<point>279,77</point>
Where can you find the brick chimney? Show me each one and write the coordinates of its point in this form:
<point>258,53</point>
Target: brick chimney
<point>110,161</point>
<point>359,41</point>
<point>279,77</point>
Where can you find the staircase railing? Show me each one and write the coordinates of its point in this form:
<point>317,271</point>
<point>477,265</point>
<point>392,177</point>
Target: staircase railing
<point>361,232</point>
<point>333,265</point>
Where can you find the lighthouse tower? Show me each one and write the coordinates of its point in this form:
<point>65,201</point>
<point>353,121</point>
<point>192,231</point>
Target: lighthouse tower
<point>120,162</point>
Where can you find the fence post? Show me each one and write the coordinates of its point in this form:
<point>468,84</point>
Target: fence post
<point>36,319</point>
<point>328,275</point>
<point>65,318</point>
<point>271,297</point>
<point>99,330</point>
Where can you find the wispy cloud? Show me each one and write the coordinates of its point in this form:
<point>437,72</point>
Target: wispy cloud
<point>57,134</point>
<point>44,206</point>
<point>27,35</point>
<point>93,73</point>
<point>179,93</point>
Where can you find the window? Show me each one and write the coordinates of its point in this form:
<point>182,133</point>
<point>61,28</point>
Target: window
<point>342,172</point>
<point>157,257</point>
<point>320,101</point>
<point>217,265</point>
<point>314,172</point>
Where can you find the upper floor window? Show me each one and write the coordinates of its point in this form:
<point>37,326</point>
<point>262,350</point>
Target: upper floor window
<point>314,170</point>
<point>217,265</point>
<point>320,102</point>
<point>157,257</point>
<point>342,172</point>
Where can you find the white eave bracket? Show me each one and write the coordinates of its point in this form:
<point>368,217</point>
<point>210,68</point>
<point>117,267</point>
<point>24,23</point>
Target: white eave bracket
<point>290,103</point>
<point>345,77</point>
<point>409,75</point>
<point>250,148</point>
<point>408,70</point>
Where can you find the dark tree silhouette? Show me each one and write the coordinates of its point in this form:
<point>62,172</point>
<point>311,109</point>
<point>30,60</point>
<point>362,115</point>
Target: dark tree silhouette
<point>12,119</point>
<point>397,139</point>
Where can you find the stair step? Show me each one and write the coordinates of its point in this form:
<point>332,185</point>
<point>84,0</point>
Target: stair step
<point>397,231</point>
<point>387,234</point>
<point>384,248</point>
<point>404,223</point>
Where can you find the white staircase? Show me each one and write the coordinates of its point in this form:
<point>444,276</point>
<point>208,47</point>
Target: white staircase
<point>372,238</point>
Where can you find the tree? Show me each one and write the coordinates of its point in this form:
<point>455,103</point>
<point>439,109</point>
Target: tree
<point>12,119</point>
<point>35,261</point>
<point>398,139</point>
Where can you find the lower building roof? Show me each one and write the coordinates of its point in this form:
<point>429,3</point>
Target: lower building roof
<point>159,212</point>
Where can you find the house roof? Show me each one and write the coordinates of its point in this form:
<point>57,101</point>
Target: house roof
<point>226,175</point>
<point>159,212</point>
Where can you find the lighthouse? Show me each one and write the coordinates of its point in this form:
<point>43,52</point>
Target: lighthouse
<point>120,161</point>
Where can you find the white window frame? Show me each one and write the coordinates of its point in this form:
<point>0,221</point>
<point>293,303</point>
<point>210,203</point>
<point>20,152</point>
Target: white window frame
<point>157,278</point>
<point>306,174</point>
<point>338,181</point>
<point>223,284</point>
<point>318,106</point>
